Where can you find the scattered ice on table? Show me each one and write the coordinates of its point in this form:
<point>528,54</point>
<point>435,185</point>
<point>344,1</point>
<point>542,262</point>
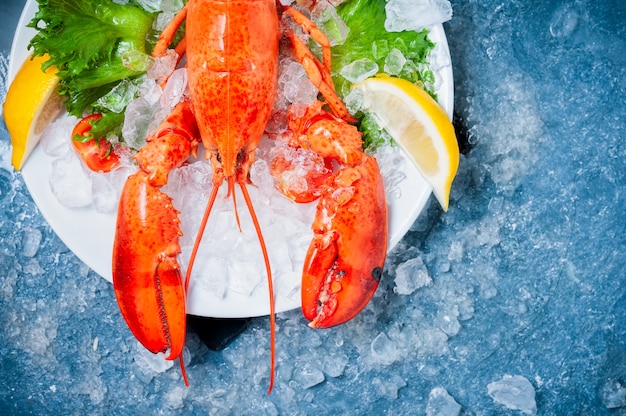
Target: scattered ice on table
<point>394,62</point>
<point>514,392</point>
<point>440,403</point>
<point>175,398</point>
<point>308,375</point>
<point>564,21</point>
<point>147,364</point>
<point>384,350</point>
<point>31,239</point>
<point>416,14</point>
<point>359,69</point>
<point>335,363</point>
<point>388,387</point>
<point>411,275</point>
<point>613,394</point>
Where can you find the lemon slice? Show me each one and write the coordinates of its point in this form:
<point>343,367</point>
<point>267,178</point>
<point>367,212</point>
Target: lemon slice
<point>31,103</point>
<point>418,125</point>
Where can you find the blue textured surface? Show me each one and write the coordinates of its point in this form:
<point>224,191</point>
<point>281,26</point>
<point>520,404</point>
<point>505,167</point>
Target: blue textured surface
<point>527,267</point>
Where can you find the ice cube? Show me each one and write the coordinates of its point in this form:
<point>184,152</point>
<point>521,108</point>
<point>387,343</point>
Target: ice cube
<point>410,276</point>
<point>389,388</point>
<point>56,138</point>
<point>394,62</point>
<point>359,70</point>
<point>440,403</point>
<point>175,89</point>
<point>416,14</point>
<point>308,376</point>
<point>171,6</point>
<point>137,61</point>
<point>139,115</point>
<point>384,350</point>
<point>31,239</point>
<point>514,392</point>
<point>69,183</point>
<point>335,363</point>
<point>163,65</point>
<point>151,6</point>
<point>564,22</point>
<point>613,394</point>
<point>325,16</point>
<point>380,48</point>
<point>118,98</point>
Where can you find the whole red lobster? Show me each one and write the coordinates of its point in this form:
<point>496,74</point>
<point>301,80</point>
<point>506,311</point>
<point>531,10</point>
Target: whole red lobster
<point>231,48</point>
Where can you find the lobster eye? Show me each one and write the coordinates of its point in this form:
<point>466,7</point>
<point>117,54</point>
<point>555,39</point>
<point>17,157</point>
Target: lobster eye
<point>218,157</point>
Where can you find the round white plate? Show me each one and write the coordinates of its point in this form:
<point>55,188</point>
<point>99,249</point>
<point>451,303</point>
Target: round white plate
<point>89,234</point>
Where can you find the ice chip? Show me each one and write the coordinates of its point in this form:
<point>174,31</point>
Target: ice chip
<point>325,16</point>
<point>359,70</point>
<point>175,89</point>
<point>55,139</point>
<point>308,376</point>
<point>613,394</point>
<point>564,22</point>
<point>163,65</point>
<point>410,276</point>
<point>390,386</point>
<point>380,48</point>
<point>137,61</point>
<point>119,97</point>
<point>171,6</point>
<point>416,14</point>
<point>384,350</point>
<point>394,62</point>
<point>139,115</point>
<point>514,392</point>
<point>440,403</point>
<point>151,6</point>
<point>148,362</point>
<point>31,239</point>
<point>69,183</point>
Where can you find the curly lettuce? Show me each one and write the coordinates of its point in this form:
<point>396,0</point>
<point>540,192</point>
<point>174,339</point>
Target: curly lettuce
<point>88,41</point>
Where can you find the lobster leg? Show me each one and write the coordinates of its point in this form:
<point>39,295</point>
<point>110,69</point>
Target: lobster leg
<point>318,72</point>
<point>147,279</point>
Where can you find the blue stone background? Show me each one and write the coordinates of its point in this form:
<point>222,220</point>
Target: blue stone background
<point>527,266</point>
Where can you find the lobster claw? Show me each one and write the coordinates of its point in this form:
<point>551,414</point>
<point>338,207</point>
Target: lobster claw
<point>345,259</point>
<point>147,280</point>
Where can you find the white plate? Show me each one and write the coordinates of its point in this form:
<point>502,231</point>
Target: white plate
<point>89,234</point>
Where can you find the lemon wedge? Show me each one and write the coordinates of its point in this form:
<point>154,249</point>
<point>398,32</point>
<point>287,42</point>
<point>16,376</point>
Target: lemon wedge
<point>419,125</point>
<point>31,103</point>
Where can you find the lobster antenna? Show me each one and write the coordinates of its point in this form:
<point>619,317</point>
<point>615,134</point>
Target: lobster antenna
<point>270,285</point>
